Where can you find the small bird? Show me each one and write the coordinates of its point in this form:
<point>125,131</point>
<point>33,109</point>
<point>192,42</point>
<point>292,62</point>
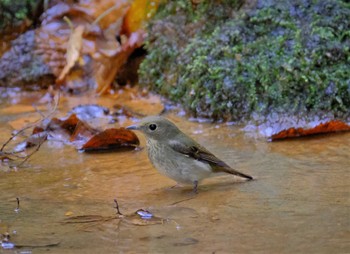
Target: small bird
<point>177,156</point>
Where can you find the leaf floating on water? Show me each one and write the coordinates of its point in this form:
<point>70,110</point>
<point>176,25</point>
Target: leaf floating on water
<point>83,132</point>
<point>328,127</point>
<point>37,129</point>
<point>112,139</point>
<point>68,124</point>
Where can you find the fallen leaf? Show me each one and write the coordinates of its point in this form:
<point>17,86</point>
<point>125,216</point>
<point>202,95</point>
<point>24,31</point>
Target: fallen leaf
<point>82,132</point>
<point>37,129</point>
<point>62,130</point>
<point>112,139</point>
<point>327,127</point>
<point>73,51</point>
<point>68,124</point>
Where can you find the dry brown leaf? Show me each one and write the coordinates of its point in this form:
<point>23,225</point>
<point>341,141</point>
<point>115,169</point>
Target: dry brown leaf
<point>111,139</point>
<point>330,126</point>
<point>83,132</point>
<point>97,24</point>
<point>73,50</point>
<point>107,68</point>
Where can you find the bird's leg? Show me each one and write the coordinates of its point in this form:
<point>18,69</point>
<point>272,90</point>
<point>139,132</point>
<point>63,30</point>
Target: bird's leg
<point>195,187</point>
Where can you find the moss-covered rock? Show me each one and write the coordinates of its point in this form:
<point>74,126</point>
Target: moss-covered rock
<point>228,59</point>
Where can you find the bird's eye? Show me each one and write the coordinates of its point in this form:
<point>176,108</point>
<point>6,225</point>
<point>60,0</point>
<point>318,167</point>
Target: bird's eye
<point>152,127</point>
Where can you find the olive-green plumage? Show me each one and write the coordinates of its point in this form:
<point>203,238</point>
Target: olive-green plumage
<point>178,156</point>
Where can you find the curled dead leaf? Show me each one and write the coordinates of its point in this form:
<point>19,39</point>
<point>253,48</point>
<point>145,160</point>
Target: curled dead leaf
<point>327,127</point>
<point>112,139</point>
<point>74,47</point>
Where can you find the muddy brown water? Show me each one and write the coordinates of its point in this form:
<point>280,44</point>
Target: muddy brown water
<point>300,202</point>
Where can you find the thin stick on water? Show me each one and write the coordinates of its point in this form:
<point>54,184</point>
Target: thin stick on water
<point>30,125</point>
<point>105,13</point>
<point>17,208</point>
<point>117,207</point>
<point>31,154</point>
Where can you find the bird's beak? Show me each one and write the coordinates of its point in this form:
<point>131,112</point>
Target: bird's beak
<point>132,127</point>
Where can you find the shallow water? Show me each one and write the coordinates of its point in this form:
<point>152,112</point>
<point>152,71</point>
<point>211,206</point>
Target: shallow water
<point>300,201</point>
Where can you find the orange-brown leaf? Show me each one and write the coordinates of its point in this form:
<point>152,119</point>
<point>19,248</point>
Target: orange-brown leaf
<point>68,125</point>
<point>330,126</point>
<point>112,139</point>
<point>37,129</point>
<point>82,131</point>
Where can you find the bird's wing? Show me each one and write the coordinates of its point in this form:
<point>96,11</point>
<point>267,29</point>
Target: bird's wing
<point>196,151</point>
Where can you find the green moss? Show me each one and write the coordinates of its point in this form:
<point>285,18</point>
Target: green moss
<point>14,11</point>
<point>276,57</point>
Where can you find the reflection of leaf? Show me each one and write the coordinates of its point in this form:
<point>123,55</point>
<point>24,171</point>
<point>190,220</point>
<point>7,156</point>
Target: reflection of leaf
<point>111,139</point>
<point>73,50</point>
<point>330,126</point>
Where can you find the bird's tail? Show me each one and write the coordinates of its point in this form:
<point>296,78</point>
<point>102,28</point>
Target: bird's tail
<point>235,172</point>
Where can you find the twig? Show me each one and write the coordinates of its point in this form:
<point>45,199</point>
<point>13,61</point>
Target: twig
<point>117,207</point>
<point>183,200</point>
<point>69,22</point>
<point>17,133</point>
<point>30,155</point>
<point>44,138</point>
<point>17,209</point>
<point>38,111</point>
<point>105,13</point>
<point>34,123</point>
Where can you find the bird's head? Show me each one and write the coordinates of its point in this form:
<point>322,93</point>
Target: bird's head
<point>156,127</point>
